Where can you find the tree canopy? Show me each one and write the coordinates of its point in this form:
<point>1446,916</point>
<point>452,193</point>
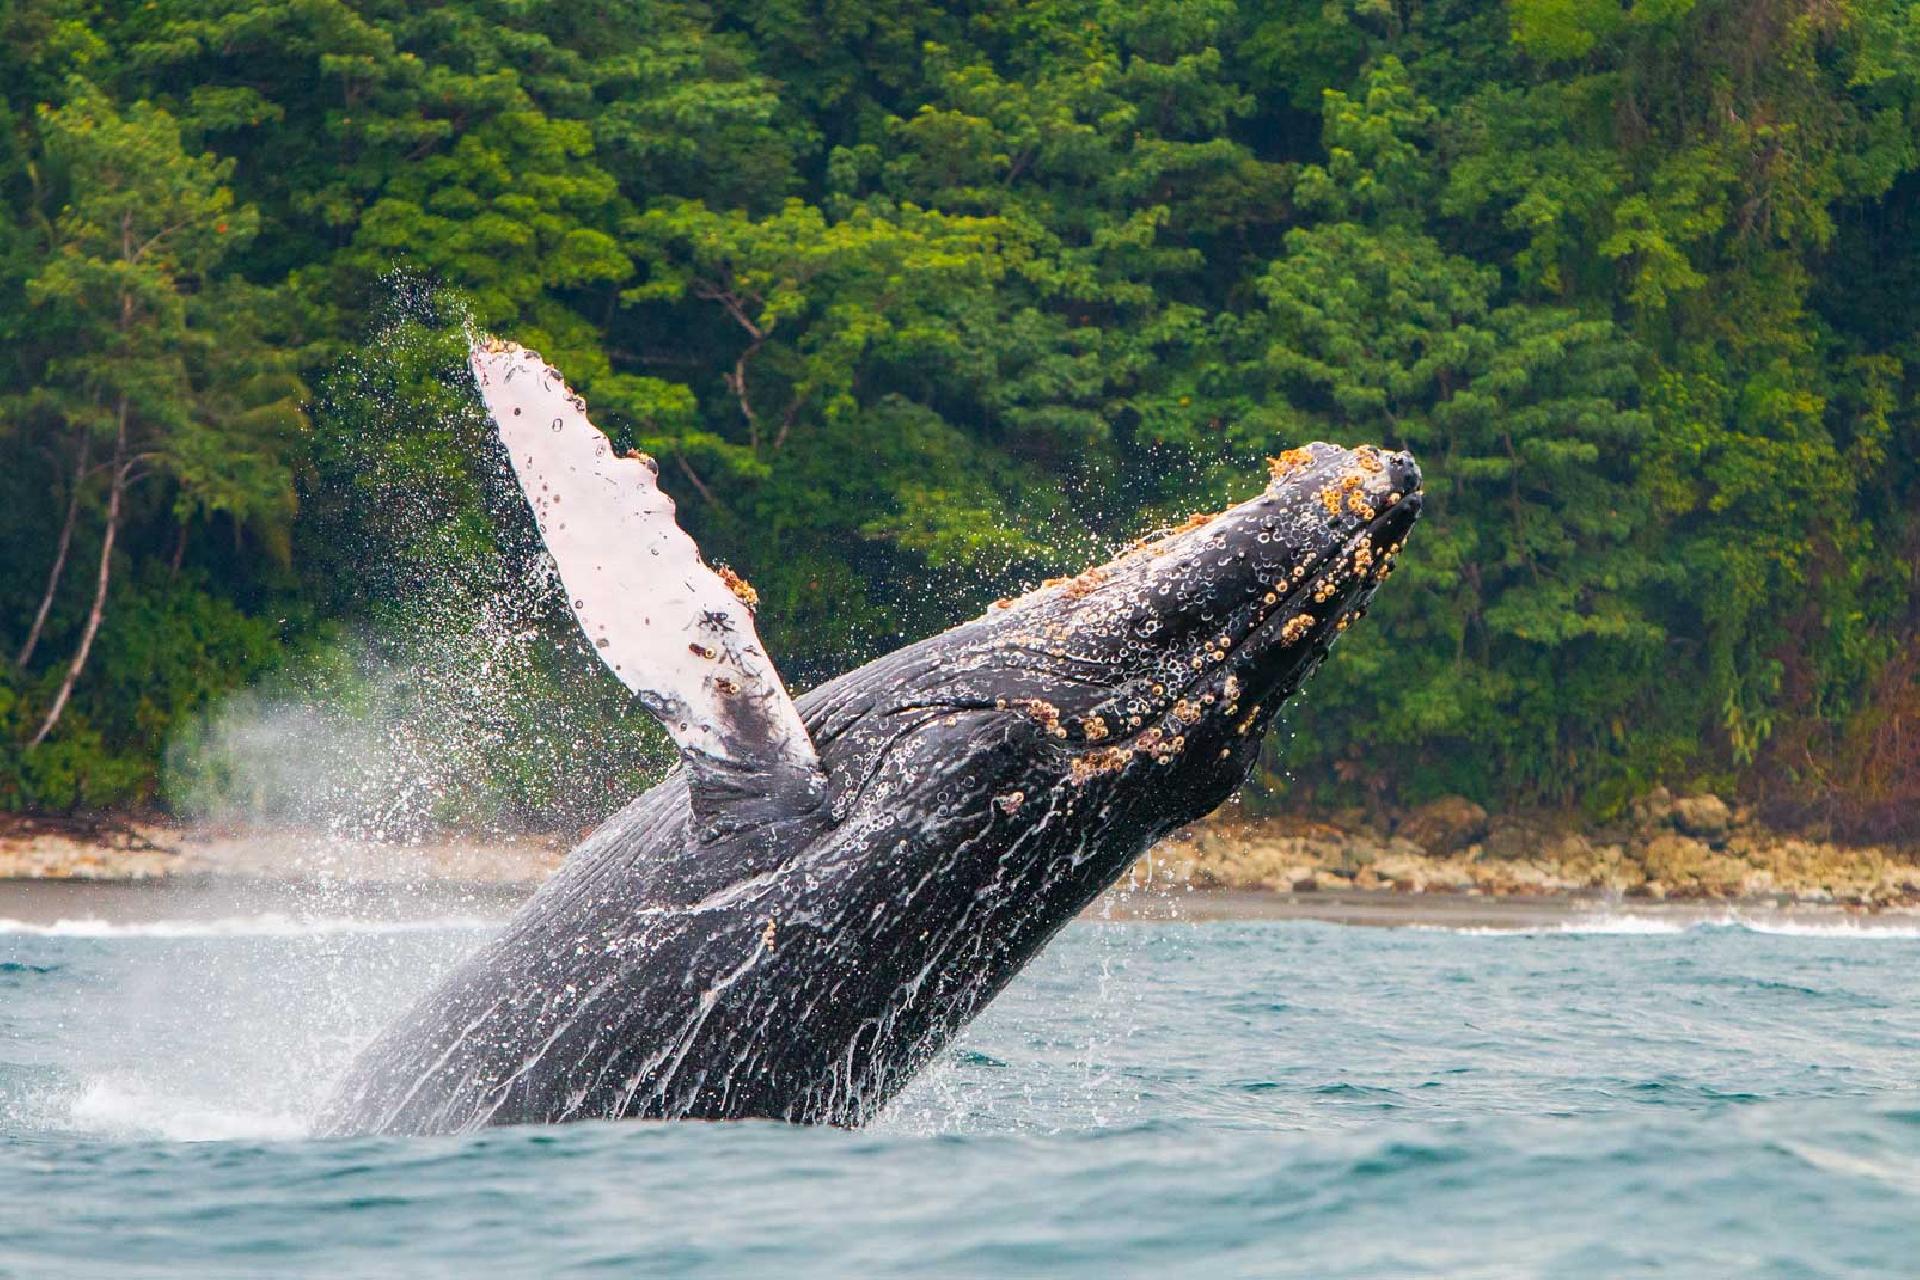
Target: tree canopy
<point>918,301</point>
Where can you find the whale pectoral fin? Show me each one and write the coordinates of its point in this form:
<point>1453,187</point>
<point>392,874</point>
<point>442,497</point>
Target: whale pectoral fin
<point>676,633</point>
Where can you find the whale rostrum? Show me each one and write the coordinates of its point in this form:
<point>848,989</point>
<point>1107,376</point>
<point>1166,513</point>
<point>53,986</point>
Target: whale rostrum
<point>792,923</point>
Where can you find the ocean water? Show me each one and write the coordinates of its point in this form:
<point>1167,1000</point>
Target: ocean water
<point>1607,1098</point>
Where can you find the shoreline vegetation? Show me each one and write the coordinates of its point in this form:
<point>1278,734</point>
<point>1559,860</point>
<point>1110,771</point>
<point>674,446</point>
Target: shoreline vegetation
<point>918,305</point>
<point>1695,850</point>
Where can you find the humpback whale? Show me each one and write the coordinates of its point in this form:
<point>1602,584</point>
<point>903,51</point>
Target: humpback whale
<point>824,891</point>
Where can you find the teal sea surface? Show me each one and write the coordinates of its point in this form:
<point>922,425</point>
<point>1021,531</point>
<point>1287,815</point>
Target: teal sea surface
<point>1613,1097</point>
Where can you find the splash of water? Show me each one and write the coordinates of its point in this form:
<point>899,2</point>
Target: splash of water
<point>459,697</point>
<point>267,924</point>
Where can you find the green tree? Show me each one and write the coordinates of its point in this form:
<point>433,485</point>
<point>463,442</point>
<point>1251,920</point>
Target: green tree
<point>919,300</point>
<point>117,292</point>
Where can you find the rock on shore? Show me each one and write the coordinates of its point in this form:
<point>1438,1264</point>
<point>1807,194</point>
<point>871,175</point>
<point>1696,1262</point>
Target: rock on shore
<point>1694,847</point>
<point>1690,847</point>
<point>53,850</point>
<point>43,850</point>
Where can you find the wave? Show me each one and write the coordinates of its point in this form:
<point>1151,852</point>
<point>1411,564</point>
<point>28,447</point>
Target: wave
<point>1901,1173</point>
<point>1829,929</point>
<point>269,924</point>
<point>1626,923</point>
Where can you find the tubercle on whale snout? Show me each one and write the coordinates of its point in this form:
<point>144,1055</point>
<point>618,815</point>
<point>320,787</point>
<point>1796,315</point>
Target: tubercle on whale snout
<point>1211,624</point>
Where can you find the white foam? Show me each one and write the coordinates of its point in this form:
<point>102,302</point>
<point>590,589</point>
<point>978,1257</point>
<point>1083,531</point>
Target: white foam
<point>267,924</point>
<point>1630,924</point>
<point>1902,1173</point>
<point>1823,929</point>
<point>128,1109</point>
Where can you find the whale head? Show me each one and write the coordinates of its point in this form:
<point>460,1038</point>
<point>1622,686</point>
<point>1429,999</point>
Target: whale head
<point>1174,658</point>
<point>1142,687</point>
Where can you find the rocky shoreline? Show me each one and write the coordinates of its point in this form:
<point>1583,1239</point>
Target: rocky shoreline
<point>132,852</point>
<point>1687,849</point>
<point>1691,848</point>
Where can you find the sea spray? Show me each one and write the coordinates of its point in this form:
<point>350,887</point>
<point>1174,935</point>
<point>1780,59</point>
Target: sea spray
<point>220,1029</point>
<point>457,699</point>
<point>449,707</point>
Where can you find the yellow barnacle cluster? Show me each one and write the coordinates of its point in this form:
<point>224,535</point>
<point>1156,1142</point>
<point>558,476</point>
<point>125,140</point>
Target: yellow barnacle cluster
<point>1384,564</point>
<point>1079,586</point>
<point>1092,764</point>
<point>1352,495</point>
<point>1158,745</point>
<point>1289,462</point>
<point>1042,712</point>
<point>741,588</point>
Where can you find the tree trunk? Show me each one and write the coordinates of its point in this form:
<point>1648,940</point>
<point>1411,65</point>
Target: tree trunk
<point>59,556</point>
<point>79,663</point>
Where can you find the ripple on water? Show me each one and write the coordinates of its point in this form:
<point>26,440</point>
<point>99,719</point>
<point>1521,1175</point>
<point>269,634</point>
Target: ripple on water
<point>1230,1099</point>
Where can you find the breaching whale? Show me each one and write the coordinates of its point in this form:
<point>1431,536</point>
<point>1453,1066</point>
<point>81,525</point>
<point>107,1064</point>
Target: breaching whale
<point>824,892</point>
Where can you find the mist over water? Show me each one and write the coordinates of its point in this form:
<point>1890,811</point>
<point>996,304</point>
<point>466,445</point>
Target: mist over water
<point>393,738</point>
<point>461,697</point>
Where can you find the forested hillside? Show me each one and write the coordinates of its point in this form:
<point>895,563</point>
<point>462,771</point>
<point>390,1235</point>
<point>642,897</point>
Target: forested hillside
<point>918,302</point>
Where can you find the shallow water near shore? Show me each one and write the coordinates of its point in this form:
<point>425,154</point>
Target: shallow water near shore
<point>1595,1096</point>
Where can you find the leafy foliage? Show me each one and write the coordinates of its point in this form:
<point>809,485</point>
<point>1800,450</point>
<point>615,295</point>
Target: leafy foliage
<point>919,301</point>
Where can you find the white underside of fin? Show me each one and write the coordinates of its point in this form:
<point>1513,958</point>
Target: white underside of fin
<point>669,627</point>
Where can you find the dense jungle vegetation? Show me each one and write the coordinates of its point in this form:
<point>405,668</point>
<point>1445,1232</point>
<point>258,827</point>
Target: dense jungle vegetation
<point>920,300</point>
